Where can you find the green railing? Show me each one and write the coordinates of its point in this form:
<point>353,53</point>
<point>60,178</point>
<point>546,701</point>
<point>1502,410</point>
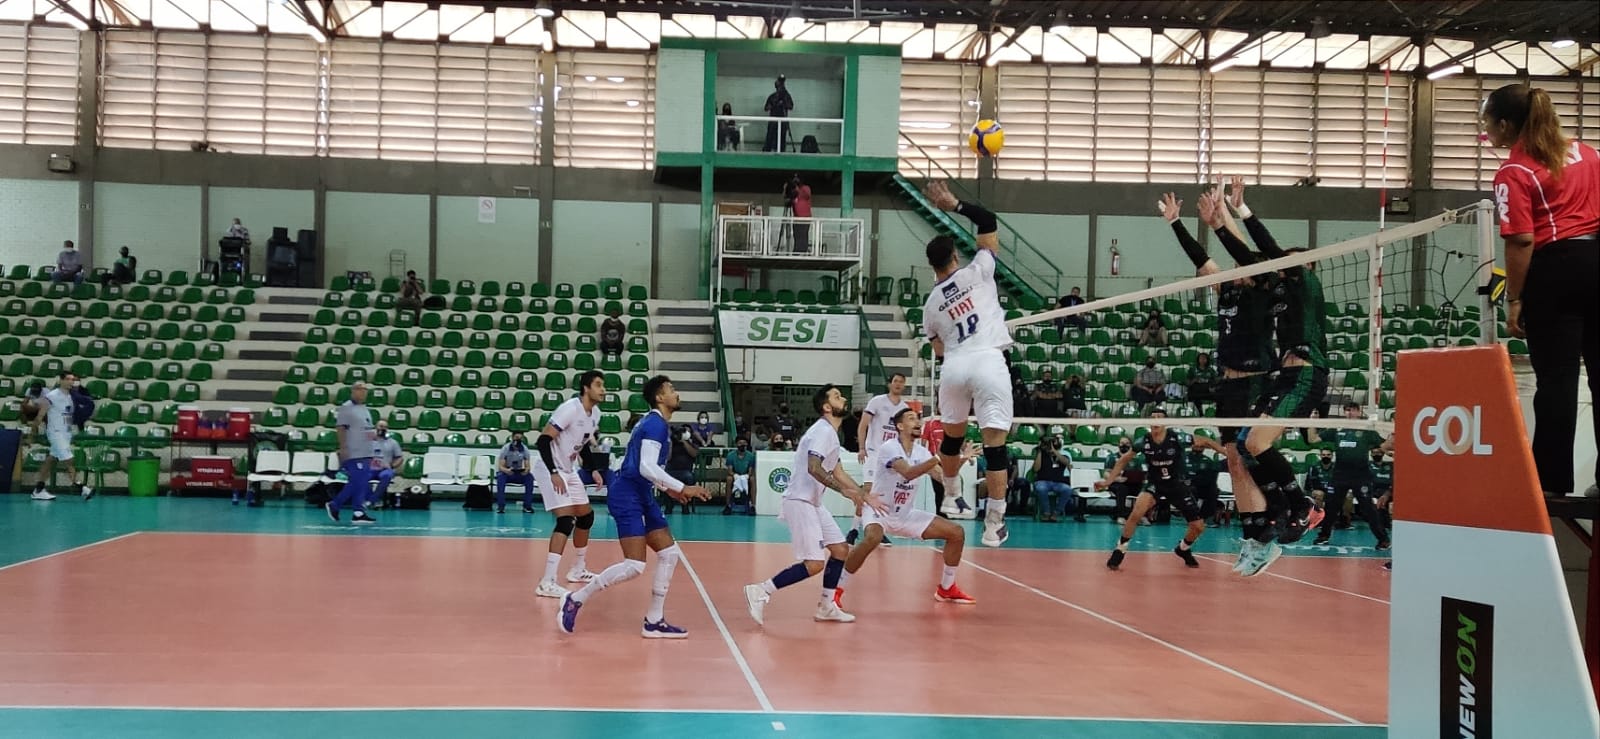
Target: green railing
<point>871,364</point>
<point>724,388</point>
<point>1030,264</point>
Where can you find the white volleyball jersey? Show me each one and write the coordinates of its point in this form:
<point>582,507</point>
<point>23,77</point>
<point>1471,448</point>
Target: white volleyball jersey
<point>963,310</point>
<point>574,427</point>
<point>820,441</point>
<point>894,489</point>
<point>881,429</point>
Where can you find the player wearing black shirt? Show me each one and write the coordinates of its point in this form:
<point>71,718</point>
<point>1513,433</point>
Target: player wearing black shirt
<point>1353,474</point>
<point>1163,453</point>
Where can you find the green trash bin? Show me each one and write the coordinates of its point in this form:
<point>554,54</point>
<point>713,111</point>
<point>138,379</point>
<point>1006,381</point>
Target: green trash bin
<point>144,473</point>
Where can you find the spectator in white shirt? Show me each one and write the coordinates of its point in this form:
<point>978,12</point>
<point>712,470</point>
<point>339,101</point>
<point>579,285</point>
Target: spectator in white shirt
<point>238,231</point>
<point>69,264</point>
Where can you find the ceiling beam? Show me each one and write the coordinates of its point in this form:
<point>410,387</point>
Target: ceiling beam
<point>1223,14</point>
<point>67,8</point>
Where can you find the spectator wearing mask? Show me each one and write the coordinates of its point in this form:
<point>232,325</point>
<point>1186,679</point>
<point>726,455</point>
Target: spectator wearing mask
<point>741,463</point>
<point>1154,332</point>
<point>783,424</point>
<point>1074,398</point>
<point>1128,484</point>
<point>412,295</point>
<point>1149,386</point>
<point>69,265</point>
<point>238,231</point>
<point>703,431</point>
<point>611,333</point>
<point>1202,382</point>
<point>1319,481</point>
<point>778,105</point>
<point>124,271</point>
<point>680,465</point>
<point>1052,475</point>
<point>512,468</point>
<point>777,443</point>
<point>1047,395</point>
<point>387,456</point>
<point>1202,471</point>
<point>1075,320</point>
<point>727,131</point>
<point>1021,396</point>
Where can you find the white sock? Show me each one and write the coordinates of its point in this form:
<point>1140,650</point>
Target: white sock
<point>666,562</point>
<point>581,563</point>
<point>768,588</point>
<point>620,572</point>
<point>997,512</point>
<point>552,562</point>
<point>948,577</point>
<point>827,595</point>
<point>952,488</point>
<point>844,579</point>
<point>1183,545</point>
<point>855,524</point>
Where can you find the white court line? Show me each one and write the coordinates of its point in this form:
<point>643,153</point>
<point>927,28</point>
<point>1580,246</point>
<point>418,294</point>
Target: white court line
<point>69,551</point>
<point>1192,655</point>
<point>670,711</point>
<point>1319,586</point>
<point>738,656</point>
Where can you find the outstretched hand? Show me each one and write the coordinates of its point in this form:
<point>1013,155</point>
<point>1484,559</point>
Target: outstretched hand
<point>939,194</point>
<point>1236,192</point>
<point>1171,207</point>
<point>1210,201</point>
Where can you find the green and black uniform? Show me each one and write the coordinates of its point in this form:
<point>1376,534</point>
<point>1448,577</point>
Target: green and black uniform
<point>1244,330</point>
<point>1165,477</point>
<point>1202,472</point>
<point>1353,475</point>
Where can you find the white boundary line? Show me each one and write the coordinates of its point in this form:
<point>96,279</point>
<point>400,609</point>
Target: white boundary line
<point>670,711</point>
<point>78,548</point>
<point>1307,583</point>
<point>1180,650</point>
<point>738,656</point>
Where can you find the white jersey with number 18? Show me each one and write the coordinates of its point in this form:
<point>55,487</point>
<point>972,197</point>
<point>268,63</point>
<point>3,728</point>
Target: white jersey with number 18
<point>963,310</point>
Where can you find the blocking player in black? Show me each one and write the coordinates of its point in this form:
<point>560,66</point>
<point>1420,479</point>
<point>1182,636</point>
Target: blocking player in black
<point>1163,453</point>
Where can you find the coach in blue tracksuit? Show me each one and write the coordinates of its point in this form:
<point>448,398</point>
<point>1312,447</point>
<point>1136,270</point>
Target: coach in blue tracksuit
<point>357,437</point>
<point>512,468</point>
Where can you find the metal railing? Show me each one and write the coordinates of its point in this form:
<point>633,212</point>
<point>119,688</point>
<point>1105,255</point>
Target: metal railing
<point>871,364</point>
<point>777,236</point>
<point>750,134</point>
<point>1026,260</point>
<point>724,388</point>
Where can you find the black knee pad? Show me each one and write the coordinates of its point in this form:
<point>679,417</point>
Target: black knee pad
<point>950,446</point>
<point>565,524</point>
<point>996,458</point>
<point>586,521</point>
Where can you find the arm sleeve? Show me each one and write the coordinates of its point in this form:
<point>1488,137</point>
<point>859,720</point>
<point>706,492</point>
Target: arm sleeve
<point>980,216</point>
<point>1263,238</point>
<point>1512,202</point>
<point>1237,249</point>
<point>543,445</point>
<point>649,452</point>
<point>1191,247</point>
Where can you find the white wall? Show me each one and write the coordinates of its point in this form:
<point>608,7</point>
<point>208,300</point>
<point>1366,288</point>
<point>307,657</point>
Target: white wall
<point>259,210</point>
<point>38,215</point>
<point>160,224</point>
<point>594,239</point>
<point>678,270</point>
<point>363,228</point>
<point>506,250</point>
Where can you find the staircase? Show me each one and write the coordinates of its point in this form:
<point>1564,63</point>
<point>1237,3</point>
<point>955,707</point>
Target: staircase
<point>896,344</point>
<point>685,351</point>
<point>1023,271</point>
<point>256,361</point>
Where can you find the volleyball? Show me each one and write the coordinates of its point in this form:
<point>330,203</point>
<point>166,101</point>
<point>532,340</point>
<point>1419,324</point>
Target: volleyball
<point>986,138</point>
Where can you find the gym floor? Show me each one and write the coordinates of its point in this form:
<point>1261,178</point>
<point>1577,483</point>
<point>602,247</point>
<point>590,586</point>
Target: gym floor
<point>132,617</point>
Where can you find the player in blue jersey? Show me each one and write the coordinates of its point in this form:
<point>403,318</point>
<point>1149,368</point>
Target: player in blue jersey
<point>640,523</point>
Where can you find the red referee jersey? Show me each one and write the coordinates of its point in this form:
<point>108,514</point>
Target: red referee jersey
<point>1531,201</point>
<point>933,434</point>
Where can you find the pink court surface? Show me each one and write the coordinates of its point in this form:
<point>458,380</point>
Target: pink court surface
<point>125,617</point>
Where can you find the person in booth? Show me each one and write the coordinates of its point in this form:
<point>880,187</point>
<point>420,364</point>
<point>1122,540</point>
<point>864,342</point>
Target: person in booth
<point>1547,195</point>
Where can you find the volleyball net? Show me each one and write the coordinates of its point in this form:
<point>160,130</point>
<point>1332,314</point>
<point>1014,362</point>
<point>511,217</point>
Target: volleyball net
<point>1077,370</point>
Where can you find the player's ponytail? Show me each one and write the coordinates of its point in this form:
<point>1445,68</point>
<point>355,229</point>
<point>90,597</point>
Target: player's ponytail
<point>1531,117</point>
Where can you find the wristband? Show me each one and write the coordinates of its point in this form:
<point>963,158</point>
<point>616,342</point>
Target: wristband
<point>1244,211</point>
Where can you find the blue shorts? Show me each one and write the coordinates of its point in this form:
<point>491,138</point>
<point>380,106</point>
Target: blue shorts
<point>633,507</point>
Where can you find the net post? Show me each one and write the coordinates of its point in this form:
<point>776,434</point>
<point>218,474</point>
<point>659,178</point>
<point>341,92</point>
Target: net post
<point>1488,328</point>
<point>1375,330</point>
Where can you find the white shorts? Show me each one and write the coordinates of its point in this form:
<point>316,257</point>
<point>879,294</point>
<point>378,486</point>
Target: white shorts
<point>909,523</point>
<point>811,530</point>
<point>976,384</point>
<point>60,445</point>
<point>577,494</point>
<point>741,484</point>
<point>869,470</point>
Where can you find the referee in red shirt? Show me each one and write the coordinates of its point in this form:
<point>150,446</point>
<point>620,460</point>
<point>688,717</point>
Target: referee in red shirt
<point>1548,197</point>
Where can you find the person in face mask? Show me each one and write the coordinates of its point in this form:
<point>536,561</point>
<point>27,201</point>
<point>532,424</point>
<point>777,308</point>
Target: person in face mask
<point>1148,384</point>
<point>703,431</point>
<point>741,463</point>
<point>681,463</point>
<point>513,468</point>
<point>1127,484</point>
<point>387,457</point>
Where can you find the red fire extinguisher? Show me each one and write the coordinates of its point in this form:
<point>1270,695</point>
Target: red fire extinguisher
<point>1116,259</point>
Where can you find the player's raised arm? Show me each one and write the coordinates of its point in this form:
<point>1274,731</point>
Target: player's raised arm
<point>1258,230</point>
<point>987,225</point>
<point>1214,213</point>
<point>1172,209</point>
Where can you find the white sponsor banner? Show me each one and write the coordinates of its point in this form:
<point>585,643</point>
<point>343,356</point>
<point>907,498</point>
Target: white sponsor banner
<point>796,330</point>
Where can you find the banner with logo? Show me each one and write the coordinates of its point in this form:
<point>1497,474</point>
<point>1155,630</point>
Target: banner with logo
<point>1482,640</point>
<point>791,330</point>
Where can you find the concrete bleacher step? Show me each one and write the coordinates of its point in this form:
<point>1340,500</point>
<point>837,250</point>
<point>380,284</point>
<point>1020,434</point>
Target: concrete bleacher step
<point>292,337</point>
<point>283,317</point>
<point>312,301</point>
<point>256,375</point>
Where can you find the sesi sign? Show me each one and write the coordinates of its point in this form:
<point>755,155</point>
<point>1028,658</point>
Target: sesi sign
<point>1454,431</point>
<point>791,330</point>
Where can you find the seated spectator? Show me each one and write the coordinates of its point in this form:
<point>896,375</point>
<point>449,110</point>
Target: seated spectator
<point>512,467</point>
<point>741,463</point>
<point>124,271</point>
<point>1076,320</point>
<point>1021,396</point>
<point>412,295</point>
<point>69,264</point>
<point>727,131</point>
<point>1052,475</point>
<point>238,231</point>
<point>777,443</point>
<point>1149,385</point>
<point>1129,484</point>
<point>703,431</point>
<point>680,465</point>
<point>783,424</point>
<point>759,437</point>
<point>387,457</point>
<point>1074,398</point>
<point>612,332</point>
<point>1047,395</point>
<point>1202,382</point>
<point>1154,332</point>
<point>30,402</point>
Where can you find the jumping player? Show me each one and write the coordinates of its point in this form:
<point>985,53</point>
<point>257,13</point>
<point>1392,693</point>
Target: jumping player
<point>967,329</point>
<point>877,427</point>
<point>640,523</point>
<point>1163,453</point>
<point>1353,475</point>
<point>900,462</point>
<point>555,470</point>
<point>812,531</point>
